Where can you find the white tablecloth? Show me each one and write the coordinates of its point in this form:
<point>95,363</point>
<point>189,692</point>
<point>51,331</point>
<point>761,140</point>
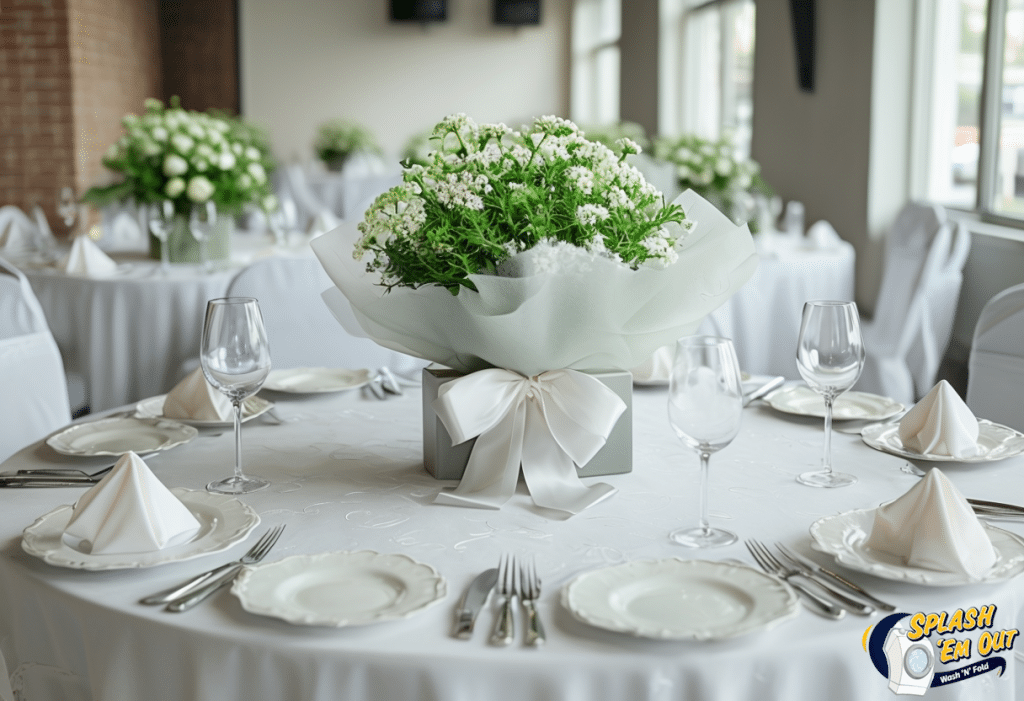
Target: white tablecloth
<point>347,475</point>
<point>128,335</point>
<point>763,318</point>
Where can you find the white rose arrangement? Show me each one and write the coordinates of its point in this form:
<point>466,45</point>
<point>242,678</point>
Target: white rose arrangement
<point>188,157</point>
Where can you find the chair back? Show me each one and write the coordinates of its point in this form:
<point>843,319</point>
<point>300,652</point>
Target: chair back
<point>301,329</point>
<point>34,401</point>
<point>995,380</point>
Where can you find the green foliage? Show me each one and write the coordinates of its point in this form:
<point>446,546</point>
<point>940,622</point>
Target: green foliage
<point>338,139</point>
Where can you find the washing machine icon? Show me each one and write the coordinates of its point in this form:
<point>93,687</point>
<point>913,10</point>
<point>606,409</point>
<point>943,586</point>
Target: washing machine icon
<point>911,663</point>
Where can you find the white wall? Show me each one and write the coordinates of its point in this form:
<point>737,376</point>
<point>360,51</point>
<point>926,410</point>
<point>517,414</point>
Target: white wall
<point>307,61</point>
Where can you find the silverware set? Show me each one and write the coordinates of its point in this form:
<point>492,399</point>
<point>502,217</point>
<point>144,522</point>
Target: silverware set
<point>996,510</point>
<point>824,592</point>
<point>53,477</point>
<point>510,581</point>
<point>187,594</point>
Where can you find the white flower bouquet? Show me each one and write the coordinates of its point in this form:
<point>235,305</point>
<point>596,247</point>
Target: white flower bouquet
<point>712,170</point>
<point>530,251</point>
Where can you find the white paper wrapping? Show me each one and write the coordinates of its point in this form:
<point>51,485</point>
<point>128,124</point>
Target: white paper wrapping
<point>195,398</point>
<point>610,317</point>
<point>941,424</point>
<point>933,526</point>
<point>86,258</point>
<point>130,511</point>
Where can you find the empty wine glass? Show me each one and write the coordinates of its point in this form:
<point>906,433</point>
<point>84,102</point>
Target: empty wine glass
<point>201,222</point>
<point>161,218</point>
<point>235,357</point>
<point>830,357</point>
<point>705,401</point>
<point>67,206</point>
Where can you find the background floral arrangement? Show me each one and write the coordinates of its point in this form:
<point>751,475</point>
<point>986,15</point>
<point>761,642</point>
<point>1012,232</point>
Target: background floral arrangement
<point>338,139</point>
<point>490,193</point>
<point>419,149</point>
<point>610,134</point>
<point>712,170</point>
<point>188,157</point>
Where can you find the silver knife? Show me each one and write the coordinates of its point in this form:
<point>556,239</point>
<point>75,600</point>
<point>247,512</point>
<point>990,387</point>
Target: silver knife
<point>47,481</point>
<point>474,600</point>
<point>763,389</point>
<point>817,569</point>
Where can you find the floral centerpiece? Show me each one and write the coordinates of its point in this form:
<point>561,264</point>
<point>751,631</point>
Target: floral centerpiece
<point>520,257</point>
<point>611,135</point>
<point>188,158</point>
<point>712,169</point>
<point>339,139</point>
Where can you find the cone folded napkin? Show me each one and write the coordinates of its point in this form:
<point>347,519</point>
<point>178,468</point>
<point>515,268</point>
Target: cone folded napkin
<point>940,424</point>
<point>932,526</point>
<point>86,258</point>
<point>130,511</point>
<point>195,398</point>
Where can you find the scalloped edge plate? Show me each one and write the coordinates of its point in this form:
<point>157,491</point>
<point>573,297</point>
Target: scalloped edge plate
<point>153,408</point>
<point>995,441</point>
<point>674,599</point>
<point>340,589</point>
<point>119,434</point>
<point>801,400</point>
<point>315,380</point>
<point>843,536</point>
<point>223,522</point>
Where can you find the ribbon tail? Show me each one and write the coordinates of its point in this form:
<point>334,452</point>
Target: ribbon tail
<point>493,468</point>
<point>549,471</point>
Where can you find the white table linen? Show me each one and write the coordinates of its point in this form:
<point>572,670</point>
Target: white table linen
<point>763,318</point>
<point>129,336</point>
<point>347,475</point>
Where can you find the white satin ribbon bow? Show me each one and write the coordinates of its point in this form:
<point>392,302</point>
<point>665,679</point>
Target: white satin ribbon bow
<point>546,423</point>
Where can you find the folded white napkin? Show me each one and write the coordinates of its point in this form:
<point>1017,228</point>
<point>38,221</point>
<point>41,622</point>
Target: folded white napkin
<point>822,235</point>
<point>940,424</point>
<point>123,233</point>
<point>86,258</point>
<point>195,398</point>
<point>130,511</point>
<point>933,526</point>
<point>17,232</point>
<point>657,368</point>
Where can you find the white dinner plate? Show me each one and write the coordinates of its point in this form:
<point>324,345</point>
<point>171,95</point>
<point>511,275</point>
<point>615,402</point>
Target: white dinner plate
<point>153,408</point>
<point>315,380</point>
<point>119,434</point>
<point>804,401</point>
<point>844,537</point>
<point>339,589</point>
<point>675,599</point>
<point>995,442</point>
<point>223,522</point>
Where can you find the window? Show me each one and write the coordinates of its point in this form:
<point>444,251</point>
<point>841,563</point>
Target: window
<point>971,155</point>
<point>596,28</point>
<point>708,69</point>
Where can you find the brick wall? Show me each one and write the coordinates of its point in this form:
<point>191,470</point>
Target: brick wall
<point>36,115</point>
<point>115,66</point>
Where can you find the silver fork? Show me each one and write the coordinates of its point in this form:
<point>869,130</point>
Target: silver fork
<point>529,592</point>
<point>771,566</point>
<point>256,553</point>
<point>504,626</point>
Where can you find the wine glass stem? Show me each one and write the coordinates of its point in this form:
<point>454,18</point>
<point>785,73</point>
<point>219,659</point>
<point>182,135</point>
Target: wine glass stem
<point>238,439</point>
<point>204,256</point>
<point>165,256</point>
<point>826,458</point>
<point>705,526</point>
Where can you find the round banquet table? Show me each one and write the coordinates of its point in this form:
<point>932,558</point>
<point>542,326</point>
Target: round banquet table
<point>347,475</point>
<point>763,317</point>
<point>129,335</point>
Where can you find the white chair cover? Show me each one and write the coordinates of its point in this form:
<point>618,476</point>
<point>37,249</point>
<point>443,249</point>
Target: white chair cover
<point>301,329</point>
<point>917,302</point>
<point>995,380</point>
<point>34,401</point>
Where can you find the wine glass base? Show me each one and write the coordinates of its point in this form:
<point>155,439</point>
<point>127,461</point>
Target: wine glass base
<point>700,538</point>
<point>237,485</point>
<point>826,479</point>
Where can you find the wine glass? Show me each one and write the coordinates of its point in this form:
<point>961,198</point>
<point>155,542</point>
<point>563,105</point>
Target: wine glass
<point>201,223</point>
<point>705,401</point>
<point>235,357</point>
<point>830,357</point>
<point>67,206</point>
<point>161,217</point>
